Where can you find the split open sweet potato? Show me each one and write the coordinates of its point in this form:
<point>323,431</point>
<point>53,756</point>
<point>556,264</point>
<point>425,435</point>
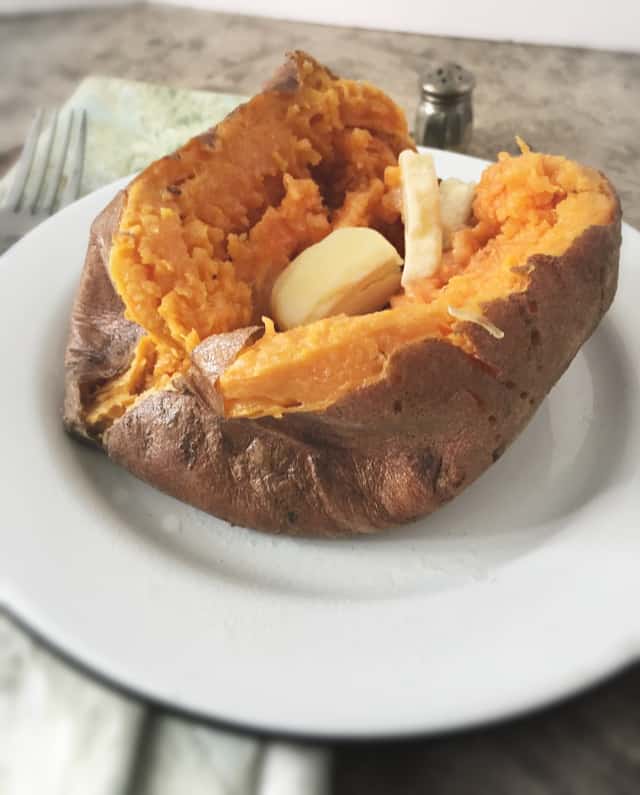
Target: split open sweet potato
<point>349,423</point>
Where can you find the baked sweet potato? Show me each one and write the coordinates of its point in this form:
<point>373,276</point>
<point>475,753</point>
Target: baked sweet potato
<point>346,424</point>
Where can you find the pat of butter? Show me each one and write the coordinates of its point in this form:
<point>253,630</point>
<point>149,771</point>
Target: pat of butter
<point>456,200</point>
<point>421,215</point>
<point>352,271</point>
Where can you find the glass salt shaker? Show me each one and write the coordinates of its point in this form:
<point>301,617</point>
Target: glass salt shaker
<point>444,118</point>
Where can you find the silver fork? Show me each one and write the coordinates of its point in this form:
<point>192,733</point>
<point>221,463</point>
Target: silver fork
<point>23,208</point>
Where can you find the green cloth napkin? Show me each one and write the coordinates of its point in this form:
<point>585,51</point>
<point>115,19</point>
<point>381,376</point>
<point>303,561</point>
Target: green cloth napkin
<point>130,124</point>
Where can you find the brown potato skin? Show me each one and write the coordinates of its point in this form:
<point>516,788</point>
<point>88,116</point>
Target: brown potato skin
<point>384,454</point>
<point>101,341</point>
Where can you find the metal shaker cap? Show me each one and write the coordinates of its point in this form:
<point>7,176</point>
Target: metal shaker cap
<point>447,80</point>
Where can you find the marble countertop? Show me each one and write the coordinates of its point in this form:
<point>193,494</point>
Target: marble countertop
<point>575,102</point>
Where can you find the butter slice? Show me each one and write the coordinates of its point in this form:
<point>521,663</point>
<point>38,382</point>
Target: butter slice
<point>421,214</point>
<point>456,198</point>
<point>352,271</point>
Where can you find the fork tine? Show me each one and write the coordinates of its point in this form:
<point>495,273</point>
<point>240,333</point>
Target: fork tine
<point>56,177</point>
<point>42,166</point>
<point>72,190</point>
<point>24,163</point>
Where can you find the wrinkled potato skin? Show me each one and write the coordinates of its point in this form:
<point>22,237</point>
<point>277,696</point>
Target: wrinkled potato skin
<point>384,454</point>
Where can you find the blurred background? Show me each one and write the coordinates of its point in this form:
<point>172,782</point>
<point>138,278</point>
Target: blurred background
<point>613,25</point>
<point>566,77</point>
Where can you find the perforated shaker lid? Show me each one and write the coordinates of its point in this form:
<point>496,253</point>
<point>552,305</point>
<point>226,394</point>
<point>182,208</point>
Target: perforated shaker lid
<point>447,80</point>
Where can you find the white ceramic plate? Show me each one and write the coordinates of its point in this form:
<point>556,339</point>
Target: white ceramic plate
<point>521,591</point>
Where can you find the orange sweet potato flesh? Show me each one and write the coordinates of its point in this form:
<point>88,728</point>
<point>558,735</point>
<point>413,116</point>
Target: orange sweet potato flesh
<point>348,425</point>
<point>204,233</point>
<point>527,205</point>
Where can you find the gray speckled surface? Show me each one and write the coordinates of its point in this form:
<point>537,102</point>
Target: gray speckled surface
<point>580,103</point>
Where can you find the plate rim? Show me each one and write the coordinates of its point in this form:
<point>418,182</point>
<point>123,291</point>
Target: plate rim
<point>264,731</point>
